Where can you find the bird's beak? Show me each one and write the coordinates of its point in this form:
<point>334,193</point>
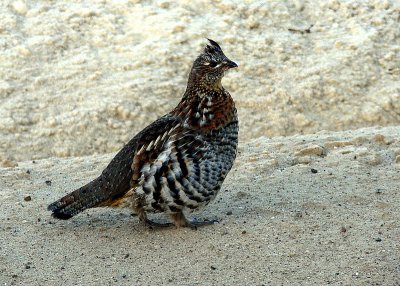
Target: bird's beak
<point>230,64</point>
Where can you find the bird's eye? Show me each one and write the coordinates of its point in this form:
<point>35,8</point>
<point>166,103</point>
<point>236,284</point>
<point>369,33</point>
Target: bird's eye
<point>213,64</point>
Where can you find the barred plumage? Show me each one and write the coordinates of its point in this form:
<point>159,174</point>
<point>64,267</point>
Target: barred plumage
<point>178,163</point>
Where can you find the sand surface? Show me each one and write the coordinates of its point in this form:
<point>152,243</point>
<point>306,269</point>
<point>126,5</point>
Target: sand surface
<point>302,210</point>
<point>82,77</point>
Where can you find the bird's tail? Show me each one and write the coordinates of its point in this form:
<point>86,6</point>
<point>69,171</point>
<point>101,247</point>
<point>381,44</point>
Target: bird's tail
<point>90,195</point>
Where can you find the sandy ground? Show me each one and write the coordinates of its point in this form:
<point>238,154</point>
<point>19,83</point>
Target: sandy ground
<point>82,77</point>
<point>303,210</point>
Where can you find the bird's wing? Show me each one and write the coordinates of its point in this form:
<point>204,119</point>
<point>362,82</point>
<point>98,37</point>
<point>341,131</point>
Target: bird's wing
<point>120,173</point>
<point>174,148</point>
<point>171,161</point>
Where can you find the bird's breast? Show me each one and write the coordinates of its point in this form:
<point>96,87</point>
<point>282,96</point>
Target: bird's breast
<point>207,112</point>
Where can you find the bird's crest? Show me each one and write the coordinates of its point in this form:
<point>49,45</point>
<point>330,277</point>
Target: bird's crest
<point>212,48</point>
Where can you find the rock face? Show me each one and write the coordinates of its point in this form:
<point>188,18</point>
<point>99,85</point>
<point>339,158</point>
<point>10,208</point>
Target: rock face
<point>79,79</point>
<point>327,202</point>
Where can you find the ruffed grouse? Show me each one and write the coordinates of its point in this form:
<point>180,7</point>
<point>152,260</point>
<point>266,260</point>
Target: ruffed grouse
<point>176,164</point>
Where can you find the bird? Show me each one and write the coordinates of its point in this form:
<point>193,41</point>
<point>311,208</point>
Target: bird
<point>177,164</point>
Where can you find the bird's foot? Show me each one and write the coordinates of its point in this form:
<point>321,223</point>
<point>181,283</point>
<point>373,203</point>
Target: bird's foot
<point>180,220</point>
<point>149,223</point>
<point>193,224</point>
<point>152,224</point>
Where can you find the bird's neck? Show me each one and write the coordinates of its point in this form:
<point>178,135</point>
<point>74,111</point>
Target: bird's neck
<point>198,81</point>
<point>203,108</point>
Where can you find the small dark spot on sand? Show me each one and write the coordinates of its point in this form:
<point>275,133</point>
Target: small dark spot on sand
<point>298,215</point>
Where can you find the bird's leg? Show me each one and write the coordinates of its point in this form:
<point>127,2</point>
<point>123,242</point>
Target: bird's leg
<point>151,224</point>
<point>180,220</point>
<point>141,213</point>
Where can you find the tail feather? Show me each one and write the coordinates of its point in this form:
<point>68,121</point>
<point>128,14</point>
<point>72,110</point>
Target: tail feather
<point>83,198</point>
<point>111,185</point>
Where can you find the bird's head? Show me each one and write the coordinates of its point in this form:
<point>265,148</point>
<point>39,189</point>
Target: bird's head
<point>210,66</point>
